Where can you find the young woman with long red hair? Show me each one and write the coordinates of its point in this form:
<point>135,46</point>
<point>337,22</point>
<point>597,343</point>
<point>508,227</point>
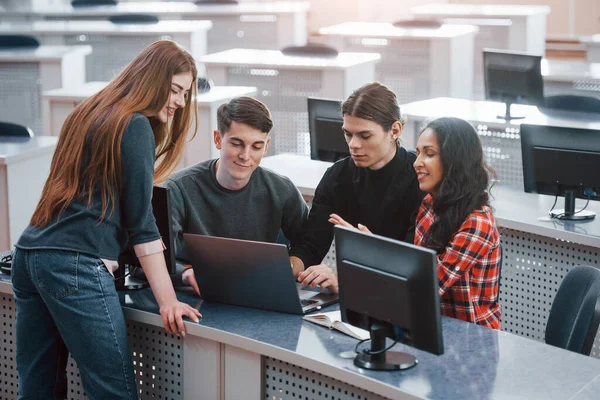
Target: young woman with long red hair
<point>96,201</point>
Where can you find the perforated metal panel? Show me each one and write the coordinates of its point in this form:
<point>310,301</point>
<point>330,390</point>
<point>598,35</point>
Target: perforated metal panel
<point>404,65</point>
<point>287,381</point>
<point>533,268</point>
<point>284,92</point>
<point>579,87</point>
<point>157,360</point>
<point>20,94</point>
<point>111,53</point>
<point>243,32</point>
<point>501,147</point>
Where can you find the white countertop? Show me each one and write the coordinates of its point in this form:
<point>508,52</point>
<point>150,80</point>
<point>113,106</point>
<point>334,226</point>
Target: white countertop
<point>42,53</point>
<point>82,92</point>
<point>276,59</point>
<point>15,149</point>
<point>568,71</point>
<point>479,10</point>
<point>388,30</point>
<point>102,27</point>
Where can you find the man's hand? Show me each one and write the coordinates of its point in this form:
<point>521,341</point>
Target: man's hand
<point>320,275</point>
<point>337,220</point>
<point>189,278</point>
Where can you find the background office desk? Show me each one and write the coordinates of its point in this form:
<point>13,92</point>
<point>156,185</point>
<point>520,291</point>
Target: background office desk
<point>239,353</point>
<point>24,74</point>
<point>593,47</point>
<point>571,77</point>
<point>284,82</point>
<point>501,139</point>
<point>24,167</point>
<point>417,64</point>
<point>59,103</point>
<point>114,45</point>
<point>536,254</point>
<point>248,25</point>
<point>511,27</point>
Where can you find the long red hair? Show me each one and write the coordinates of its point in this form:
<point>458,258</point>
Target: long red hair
<point>143,86</point>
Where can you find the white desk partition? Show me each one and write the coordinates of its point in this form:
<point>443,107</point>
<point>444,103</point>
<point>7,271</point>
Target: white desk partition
<point>25,74</point>
<point>509,27</point>
<point>417,64</point>
<point>249,25</point>
<point>592,44</point>
<point>571,77</point>
<point>501,139</point>
<point>284,82</point>
<point>114,45</point>
<point>59,103</point>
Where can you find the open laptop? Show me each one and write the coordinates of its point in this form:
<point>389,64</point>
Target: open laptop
<point>250,274</point>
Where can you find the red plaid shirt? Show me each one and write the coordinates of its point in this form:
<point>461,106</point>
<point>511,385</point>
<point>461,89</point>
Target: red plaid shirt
<point>469,267</point>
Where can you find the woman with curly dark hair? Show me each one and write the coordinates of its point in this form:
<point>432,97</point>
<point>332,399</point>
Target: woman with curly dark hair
<point>455,219</point>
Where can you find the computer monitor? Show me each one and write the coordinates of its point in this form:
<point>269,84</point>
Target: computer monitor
<point>389,288</point>
<point>562,161</point>
<point>512,77</point>
<point>162,213</point>
<point>327,142</point>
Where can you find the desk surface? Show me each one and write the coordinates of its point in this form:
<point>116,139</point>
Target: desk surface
<point>276,59</point>
<point>102,27</point>
<point>513,208</point>
<point>15,149</point>
<point>43,53</point>
<point>383,29</point>
<point>479,10</point>
<point>591,40</point>
<point>477,363</point>
<point>568,71</point>
<point>82,92</point>
<point>160,8</point>
<point>486,112</point>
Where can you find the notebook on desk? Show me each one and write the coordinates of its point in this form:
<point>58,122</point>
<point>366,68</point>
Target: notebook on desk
<point>250,274</point>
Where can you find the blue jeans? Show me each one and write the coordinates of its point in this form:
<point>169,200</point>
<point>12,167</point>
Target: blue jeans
<point>67,302</point>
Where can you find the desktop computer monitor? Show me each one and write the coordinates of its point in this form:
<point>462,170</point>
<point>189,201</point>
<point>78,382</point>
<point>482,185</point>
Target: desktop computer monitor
<point>162,213</point>
<point>389,288</point>
<point>512,77</point>
<point>560,161</point>
<point>327,142</point>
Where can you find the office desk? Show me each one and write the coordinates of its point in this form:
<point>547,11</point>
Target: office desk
<point>241,353</point>
<point>24,167</point>
<point>417,64</point>
<point>24,74</point>
<point>59,103</point>
<point>284,82</point>
<point>510,27</point>
<point>250,25</point>
<point>501,140</point>
<point>593,47</point>
<point>115,45</point>
<point>536,253</point>
<point>571,77</point>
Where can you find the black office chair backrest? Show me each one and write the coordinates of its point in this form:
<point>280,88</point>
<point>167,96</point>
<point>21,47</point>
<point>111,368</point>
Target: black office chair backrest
<point>575,313</point>
<point>92,3</point>
<point>9,129</point>
<point>18,42</point>
<point>133,19</point>
<point>571,102</point>
<point>208,2</point>
<point>418,23</point>
<point>310,50</point>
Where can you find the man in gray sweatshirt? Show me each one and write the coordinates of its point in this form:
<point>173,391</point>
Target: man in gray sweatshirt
<point>232,196</point>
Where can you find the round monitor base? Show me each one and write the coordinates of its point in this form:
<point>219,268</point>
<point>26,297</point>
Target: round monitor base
<point>393,361</point>
<point>580,215</point>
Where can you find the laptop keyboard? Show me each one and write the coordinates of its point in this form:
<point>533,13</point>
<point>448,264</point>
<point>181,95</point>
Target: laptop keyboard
<point>308,302</point>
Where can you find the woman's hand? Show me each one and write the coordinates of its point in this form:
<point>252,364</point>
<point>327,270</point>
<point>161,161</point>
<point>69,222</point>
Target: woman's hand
<point>172,314</point>
<point>337,220</point>
<point>189,278</point>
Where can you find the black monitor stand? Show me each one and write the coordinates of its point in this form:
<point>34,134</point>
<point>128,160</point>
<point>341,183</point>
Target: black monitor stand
<point>125,281</point>
<point>569,213</point>
<point>378,359</point>
<point>507,116</point>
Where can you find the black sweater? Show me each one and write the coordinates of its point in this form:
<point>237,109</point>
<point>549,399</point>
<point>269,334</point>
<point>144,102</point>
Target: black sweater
<point>384,200</point>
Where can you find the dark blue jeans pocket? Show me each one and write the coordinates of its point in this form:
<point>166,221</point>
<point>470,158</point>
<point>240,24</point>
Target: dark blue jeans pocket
<point>56,272</point>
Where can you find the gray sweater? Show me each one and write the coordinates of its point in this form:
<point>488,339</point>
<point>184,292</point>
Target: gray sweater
<point>267,204</point>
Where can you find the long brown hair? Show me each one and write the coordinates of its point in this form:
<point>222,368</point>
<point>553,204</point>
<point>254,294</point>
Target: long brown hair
<point>143,86</point>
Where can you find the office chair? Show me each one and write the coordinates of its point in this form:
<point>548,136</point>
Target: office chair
<point>310,50</point>
<point>418,23</point>
<point>575,314</point>
<point>571,102</point>
<point>14,130</point>
<point>133,19</point>
<point>208,2</point>
<point>92,3</point>
<point>18,42</point>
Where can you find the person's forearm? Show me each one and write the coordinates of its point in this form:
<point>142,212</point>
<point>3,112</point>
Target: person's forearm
<point>156,272</point>
<point>297,265</point>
